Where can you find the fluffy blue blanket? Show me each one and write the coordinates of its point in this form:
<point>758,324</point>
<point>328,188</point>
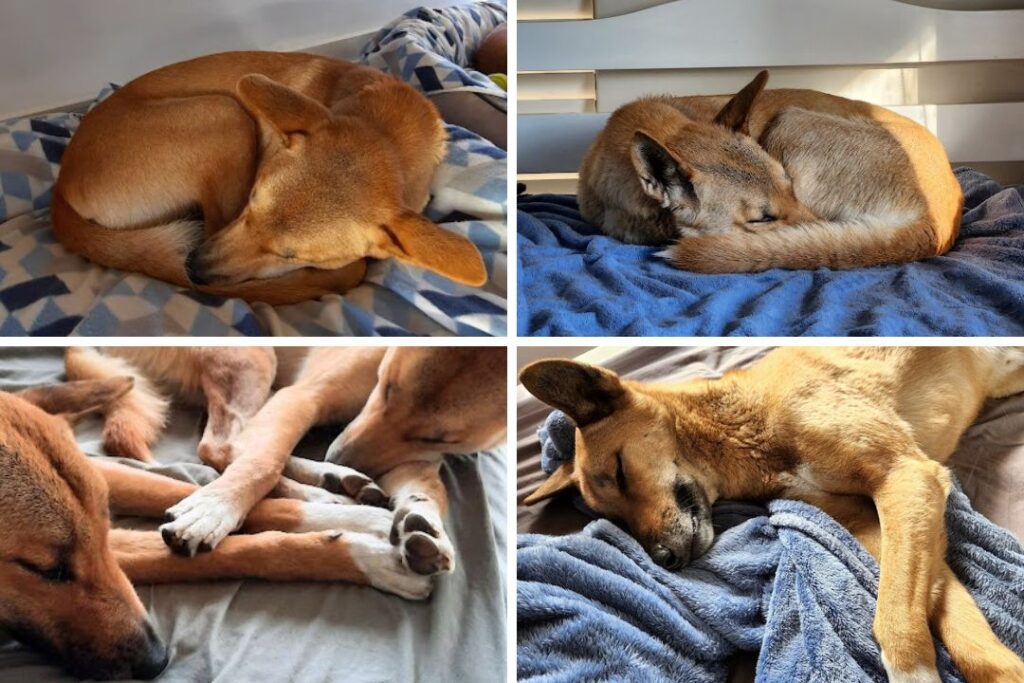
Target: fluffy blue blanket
<point>794,583</point>
<point>573,280</point>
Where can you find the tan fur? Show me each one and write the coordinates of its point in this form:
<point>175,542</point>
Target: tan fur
<point>846,183</point>
<point>301,167</point>
<point>841,428</point>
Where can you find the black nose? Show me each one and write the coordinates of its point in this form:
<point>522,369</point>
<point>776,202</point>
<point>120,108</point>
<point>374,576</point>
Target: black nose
<point>666,557</point>
<point>194,268</point>
<point>154,656</point>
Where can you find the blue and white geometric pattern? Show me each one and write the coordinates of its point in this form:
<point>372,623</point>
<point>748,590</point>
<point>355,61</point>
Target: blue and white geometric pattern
<point>431,49</point>
<point>47,291</point>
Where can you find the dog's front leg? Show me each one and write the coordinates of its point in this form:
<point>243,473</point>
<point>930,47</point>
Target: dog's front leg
<point>911,504</point>
<point>420,503</point>
<point>361,557</point>
<point>206,517</point>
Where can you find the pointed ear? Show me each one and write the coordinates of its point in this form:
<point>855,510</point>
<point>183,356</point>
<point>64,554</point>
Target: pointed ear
<point>75,400</point>
<point>284,110</point>
<point>413,239</point>
<point>586,393</point>
<point>736,111</point>
<point>560,480</point>
<point>663,175</point>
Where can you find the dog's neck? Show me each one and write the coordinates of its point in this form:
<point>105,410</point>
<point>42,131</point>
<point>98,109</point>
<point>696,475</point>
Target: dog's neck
<point>734,432</point>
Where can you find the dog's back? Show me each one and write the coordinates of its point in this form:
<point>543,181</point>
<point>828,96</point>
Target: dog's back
<point>779,178</point>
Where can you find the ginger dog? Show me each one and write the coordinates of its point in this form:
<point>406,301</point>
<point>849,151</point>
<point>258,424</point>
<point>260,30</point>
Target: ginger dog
<point>860,432</point>
<point>771,179</point>
<point>262,175</point>
<point>65,575</point>
<point>405,408</point>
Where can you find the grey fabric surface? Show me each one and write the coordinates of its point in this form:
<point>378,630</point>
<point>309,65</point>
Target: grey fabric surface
<point>989,459</point>
<point>307,632</point>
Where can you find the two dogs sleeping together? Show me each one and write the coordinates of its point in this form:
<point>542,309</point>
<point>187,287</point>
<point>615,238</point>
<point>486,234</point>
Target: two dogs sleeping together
<point>371,514</point>
<point>861,433</point>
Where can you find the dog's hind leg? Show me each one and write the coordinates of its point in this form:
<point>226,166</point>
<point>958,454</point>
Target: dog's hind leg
<point>420,503</point>
<point>359,557</point>
<point>133,423</point>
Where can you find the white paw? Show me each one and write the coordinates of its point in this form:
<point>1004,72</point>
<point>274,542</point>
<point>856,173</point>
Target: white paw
<point>920,674</point>
<point>337,479</point>
<point>287,488</point>
<point>382,565</point>
<point>355,518</point>
<point>419,535</point>
<point>198,523</point>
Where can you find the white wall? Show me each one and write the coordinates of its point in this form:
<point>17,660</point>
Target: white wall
<point>55,52</point>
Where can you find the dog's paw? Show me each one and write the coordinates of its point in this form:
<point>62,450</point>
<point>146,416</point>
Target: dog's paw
<point>420,537</point>
<point>355,518</point>
<point>289,488</point>
<point>337,479</point>
<point>382,565</point>
<point>199,522</point>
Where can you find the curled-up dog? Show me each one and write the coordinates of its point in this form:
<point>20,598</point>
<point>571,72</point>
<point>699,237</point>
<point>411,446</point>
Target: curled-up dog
<point>267,176</point>
<point>862,433</point>
<point>782,178</point>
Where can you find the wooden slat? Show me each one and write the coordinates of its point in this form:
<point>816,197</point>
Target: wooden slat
<point>741,33</point>
<point>992,132</point>
<point>554,10</point>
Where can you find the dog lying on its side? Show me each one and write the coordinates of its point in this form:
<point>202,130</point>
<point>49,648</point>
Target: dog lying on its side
<point>771,179</point>
<point>262,175</point>
<point>862,433</point>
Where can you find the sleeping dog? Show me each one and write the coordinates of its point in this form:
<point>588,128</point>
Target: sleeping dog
<point>66,576</point>
<point>862,433</point>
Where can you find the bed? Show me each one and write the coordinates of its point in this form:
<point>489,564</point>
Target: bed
<point>46,291</point>
<point>989,463</point>
<point>944,64</point>
<point>241,630</point>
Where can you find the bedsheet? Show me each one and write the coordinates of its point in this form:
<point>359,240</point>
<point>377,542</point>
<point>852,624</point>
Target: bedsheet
<point>234,631</point>
<point>47,291</point>
<point>573,280</point>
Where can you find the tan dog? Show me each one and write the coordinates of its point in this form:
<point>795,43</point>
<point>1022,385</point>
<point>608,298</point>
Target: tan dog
<point>405,408</point>
<point>65,574</point>
<point>851,430</point>
<point>267,176</point>
<point>771,179</point>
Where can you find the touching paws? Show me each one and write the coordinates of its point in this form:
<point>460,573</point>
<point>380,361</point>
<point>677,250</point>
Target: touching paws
<point>337,479</point>
<point>421,539</point>
<point>199,522</point>
<point>382,566</point>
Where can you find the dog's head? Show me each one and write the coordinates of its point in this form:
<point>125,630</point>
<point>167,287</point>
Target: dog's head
<point>714,178</point>
<point>427,402</point>
<point>61,590</point>
<point>631,462</point>
<point>328,191</point>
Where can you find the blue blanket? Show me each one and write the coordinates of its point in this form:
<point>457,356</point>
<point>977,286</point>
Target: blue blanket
<point>573,280</point>
<point>794,583</point>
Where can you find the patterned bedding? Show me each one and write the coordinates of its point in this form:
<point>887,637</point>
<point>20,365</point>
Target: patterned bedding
<point>47,291</point>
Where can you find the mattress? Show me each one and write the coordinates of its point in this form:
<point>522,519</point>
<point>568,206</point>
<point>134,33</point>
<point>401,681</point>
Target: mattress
<point>233,631</point>
<point>574,280</point>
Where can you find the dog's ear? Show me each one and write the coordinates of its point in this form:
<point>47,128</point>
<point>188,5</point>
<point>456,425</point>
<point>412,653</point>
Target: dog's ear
<point>284,110</point>
<point>560,480</point>
<point>586,393</point>
<point>663,175</point>
<point>411,238</point>
<point>75,400</point>
<point>736,111</point>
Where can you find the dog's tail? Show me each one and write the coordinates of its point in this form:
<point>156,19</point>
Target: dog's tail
<point>160,251</point>
<point>845,244</point>
<point>133,422</point>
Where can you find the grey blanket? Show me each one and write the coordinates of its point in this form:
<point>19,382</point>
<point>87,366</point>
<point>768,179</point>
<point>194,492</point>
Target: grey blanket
<point>235,631</point>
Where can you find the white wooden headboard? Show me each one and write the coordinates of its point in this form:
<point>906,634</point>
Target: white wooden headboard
<point>58,52</point>
<point>959,72</point>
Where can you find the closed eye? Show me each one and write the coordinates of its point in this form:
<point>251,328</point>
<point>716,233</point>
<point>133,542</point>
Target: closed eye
<point>439,438</point>
<point>59,573</point>
<point>766,218</point>
<point>620,473</point>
